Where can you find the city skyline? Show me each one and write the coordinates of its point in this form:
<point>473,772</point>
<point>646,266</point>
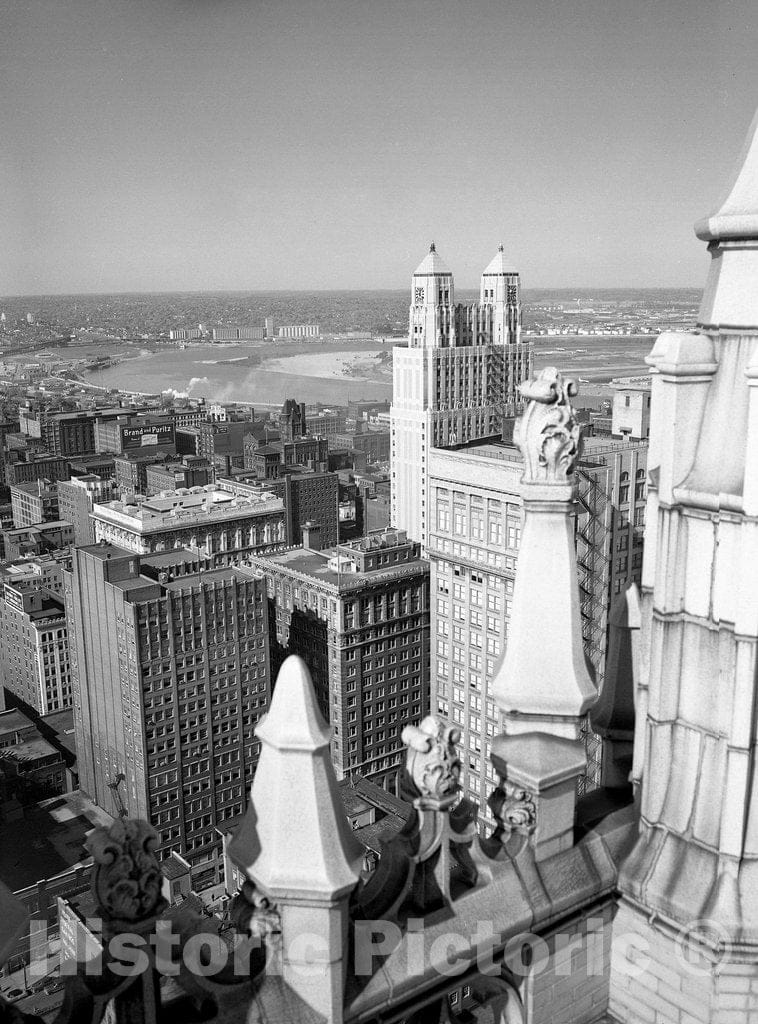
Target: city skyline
<point>235,146</point>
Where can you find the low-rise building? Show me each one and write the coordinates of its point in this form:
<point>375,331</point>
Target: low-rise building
<point>41,539</point>
<point>136,433</point>
<point>224,526</point>
<point>190,471</point>
<point>36,572</point>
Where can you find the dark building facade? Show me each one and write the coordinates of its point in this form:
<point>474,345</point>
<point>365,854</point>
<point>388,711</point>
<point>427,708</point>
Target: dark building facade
<point>358,614</point>
<point>292,421</point>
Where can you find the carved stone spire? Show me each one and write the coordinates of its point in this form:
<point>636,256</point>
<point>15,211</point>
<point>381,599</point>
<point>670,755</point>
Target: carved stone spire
<point>295,844</point>
<point>544,682</point>
<point>297,840</point>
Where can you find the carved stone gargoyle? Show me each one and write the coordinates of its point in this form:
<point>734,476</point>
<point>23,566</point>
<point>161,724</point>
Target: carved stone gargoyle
<point>416,867</point>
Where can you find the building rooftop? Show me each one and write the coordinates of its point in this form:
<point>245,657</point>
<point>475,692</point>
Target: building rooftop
<point>13,720</point>
<point>184,507</point>
<point>206,578</point>
<point>334,568</point>
<point>54,832</point>
<point>432,263</point>
<point>28,750</point>
<point>40,487</point>
<point>499,264</point>
<point>643,383</point>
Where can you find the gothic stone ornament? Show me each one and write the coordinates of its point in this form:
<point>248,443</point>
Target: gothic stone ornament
<point>254,914</point>
<point>548,434</point>
<point>513,807</point>
<point>432,761</point>
<point>126,877</point>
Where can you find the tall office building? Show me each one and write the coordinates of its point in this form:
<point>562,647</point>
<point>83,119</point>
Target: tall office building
<point>170,674</point>
<point>473,547</point>
<point>358,614</point>
<point>457,378</point>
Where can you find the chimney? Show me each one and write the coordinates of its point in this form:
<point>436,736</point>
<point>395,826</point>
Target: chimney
<point>311,535</point>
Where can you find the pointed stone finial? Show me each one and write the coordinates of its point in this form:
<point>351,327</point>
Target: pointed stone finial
<point>296,846</point>
<point>432,247</point>
<point>295,841</point>
<point>544,682</point>
<point>730,296</point>
<point>500,247</point>
<point>737,213</point>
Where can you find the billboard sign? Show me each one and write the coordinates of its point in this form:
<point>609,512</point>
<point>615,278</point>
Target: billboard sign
<point>149,435</point>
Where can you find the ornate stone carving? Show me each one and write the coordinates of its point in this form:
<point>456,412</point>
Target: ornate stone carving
<point>513,807</point>
<point>548,434</point>
<point>254,914</point>
<point>126,878</point>
<point>432,761</point>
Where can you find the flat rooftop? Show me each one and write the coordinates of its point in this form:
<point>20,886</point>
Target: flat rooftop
<point>206,578</point>
<point>12,720</point>
<point>54,832</point>
<point>185,507</point>
<point>316,564</point>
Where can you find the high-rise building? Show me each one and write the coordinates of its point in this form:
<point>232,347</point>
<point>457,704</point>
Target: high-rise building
<point>34,657</point>
<point>170,673</point>
<point>76,499</point>
<point>224,527</point>
<point>456,380</point>
<point>473,547</point>
<point>358,614</point>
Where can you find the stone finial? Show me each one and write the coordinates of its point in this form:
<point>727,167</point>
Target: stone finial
<point>127,877</point>
<point>432,761</point>
<point>737,213</point>
<point>296,840</point>
<point>543,681</point>
<point>548,433</point>
<point>296,846</point>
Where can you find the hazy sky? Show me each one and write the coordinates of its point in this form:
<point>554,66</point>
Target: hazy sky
<point>232,144</point>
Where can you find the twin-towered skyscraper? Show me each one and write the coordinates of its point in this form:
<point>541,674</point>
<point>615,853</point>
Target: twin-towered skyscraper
<point>457,379</point>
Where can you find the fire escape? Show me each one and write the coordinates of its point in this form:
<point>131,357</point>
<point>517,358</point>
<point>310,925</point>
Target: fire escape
<point>593,572</point>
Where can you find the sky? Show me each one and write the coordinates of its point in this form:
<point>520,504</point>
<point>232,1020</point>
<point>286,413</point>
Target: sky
<point>162,145</point>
